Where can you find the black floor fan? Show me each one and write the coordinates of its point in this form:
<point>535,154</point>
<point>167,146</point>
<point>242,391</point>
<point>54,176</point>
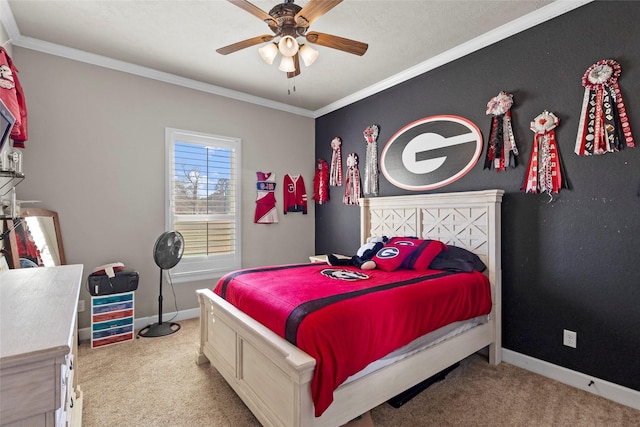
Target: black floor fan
<point>167,252</point>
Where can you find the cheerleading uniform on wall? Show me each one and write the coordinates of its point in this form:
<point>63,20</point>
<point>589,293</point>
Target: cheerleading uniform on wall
<point>295,194</point>
<point>266,212</point>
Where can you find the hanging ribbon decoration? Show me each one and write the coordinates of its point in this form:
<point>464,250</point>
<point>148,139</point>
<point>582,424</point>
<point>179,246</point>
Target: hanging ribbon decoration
<point>501,147</point>
<point>371,166</point>
<point>335,177</point>
<point>604,125</point>
<point>544,172</point>
<point>321,182</point>
<point>352,190</point>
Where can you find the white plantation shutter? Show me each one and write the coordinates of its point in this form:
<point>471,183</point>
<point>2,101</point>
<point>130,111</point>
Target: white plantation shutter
<point>203,202</point>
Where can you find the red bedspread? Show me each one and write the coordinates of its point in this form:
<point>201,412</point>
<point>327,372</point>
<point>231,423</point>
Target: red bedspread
<point>346,322</point>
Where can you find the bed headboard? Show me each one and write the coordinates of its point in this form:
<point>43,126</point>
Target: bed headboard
<point>470,220</point>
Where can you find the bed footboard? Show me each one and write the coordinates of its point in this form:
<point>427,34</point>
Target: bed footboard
<point>270,375</point>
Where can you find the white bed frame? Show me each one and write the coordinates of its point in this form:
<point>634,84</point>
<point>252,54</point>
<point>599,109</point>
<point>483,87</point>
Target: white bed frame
<point>273,377</point>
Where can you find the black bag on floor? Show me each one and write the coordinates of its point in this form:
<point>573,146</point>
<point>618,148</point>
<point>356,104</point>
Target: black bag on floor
<point>123,281</point>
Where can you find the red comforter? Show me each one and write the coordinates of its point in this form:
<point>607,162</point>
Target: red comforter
<point>346,318</point>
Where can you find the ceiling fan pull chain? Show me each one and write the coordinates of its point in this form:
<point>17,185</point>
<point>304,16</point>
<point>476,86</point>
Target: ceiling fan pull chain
<point>291,83</point>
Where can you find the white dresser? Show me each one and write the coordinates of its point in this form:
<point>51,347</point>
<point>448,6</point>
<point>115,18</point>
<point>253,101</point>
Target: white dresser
<point>38,344</point>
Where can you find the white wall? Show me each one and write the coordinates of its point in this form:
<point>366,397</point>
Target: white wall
<point>4,38</point>
<point>96,152</point>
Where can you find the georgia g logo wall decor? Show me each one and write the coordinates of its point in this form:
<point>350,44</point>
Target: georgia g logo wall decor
<point>431,152</point>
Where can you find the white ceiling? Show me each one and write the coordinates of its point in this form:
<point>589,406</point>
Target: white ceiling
<point>175,41</point>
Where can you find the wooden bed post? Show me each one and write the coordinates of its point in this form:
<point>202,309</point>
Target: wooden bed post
<point>200,357</point>
<point>494,208</point>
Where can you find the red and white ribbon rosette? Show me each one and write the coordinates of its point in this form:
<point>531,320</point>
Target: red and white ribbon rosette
<point>604,125</point>
<point>544,172</point>
<point>501,147</point>
<point>335,175</point>
<point>371,165</point>
<point>352,188</point>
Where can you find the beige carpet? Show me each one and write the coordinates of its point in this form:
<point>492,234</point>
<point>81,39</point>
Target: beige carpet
<point>155,382</point>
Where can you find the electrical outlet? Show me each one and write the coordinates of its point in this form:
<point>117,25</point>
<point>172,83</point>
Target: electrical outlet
<point>570,338</point>
<point>80,306</point>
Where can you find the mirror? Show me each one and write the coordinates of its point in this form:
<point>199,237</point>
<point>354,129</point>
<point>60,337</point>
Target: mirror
<point>39,239</point>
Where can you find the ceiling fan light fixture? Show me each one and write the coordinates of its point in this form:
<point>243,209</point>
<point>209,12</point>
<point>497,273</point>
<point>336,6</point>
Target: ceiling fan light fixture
<point>288,46</point>
<point>287,65</point>
<point>308,54</point>
<point>290,22</point>
<point>269,52</point>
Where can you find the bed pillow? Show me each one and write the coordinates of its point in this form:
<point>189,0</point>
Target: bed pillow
<point>395,252</point>
<point>425,253</point>
<point>457,259</point>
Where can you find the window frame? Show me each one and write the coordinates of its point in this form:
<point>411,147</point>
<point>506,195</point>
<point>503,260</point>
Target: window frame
<point>203,267</point>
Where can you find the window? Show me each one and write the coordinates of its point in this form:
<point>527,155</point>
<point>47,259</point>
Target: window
<point>203,202</point>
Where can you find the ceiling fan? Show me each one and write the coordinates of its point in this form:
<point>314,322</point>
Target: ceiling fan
<point>290,21</point>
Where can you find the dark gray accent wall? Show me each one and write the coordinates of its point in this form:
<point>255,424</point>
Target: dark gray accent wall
<point>572,263</point>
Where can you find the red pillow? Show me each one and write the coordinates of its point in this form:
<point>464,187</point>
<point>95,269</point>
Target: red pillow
<point>425,253</point>
<point>395,252</point>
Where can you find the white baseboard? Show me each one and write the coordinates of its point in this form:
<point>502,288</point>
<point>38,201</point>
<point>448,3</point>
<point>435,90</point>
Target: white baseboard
<point>606,389</point>
<point>84,334</point>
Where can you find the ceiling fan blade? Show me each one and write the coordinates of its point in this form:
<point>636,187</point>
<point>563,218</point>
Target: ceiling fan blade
<point>244,44</point>
<point>340,43</point>
<point>296,62</point>
<point>255,11</point>
<point>314,10</point>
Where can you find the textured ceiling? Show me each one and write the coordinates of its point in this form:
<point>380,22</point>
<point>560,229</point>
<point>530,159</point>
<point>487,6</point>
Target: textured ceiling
<point>179,37</point>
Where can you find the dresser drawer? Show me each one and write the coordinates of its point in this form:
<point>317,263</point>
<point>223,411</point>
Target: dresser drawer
<point>28,390</point>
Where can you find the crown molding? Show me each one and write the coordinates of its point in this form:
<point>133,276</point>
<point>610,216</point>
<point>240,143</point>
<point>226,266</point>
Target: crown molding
<point>17,39</point>
<point>8,21</point>
<point>126,67</point>
<point>516,26</point>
